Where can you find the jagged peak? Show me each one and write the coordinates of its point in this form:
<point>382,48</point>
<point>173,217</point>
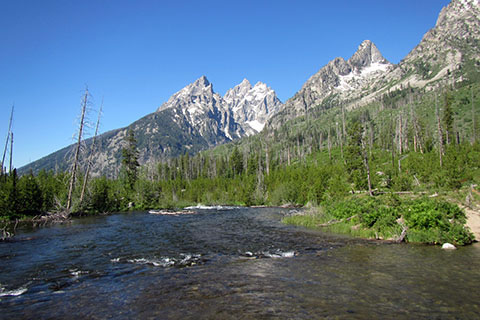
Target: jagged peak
<point>201,86</point>
<point>239,90</point>
<point>367,54</point>
<point>260,84</point>
<point>201,82</point>
<point>245,83</point>
<point>338,65</point>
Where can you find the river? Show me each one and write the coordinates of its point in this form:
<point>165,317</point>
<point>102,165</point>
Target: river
<point>228,263</point>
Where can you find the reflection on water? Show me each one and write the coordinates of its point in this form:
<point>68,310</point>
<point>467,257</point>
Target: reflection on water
<point>237,263</point>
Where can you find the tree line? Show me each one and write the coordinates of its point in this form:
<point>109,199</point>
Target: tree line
<point>392,145</point>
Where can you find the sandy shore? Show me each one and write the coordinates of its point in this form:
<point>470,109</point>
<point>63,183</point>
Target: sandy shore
<point>473,222</point>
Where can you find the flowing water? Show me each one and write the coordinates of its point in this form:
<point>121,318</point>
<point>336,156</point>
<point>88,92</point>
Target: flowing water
<point>227,263</point>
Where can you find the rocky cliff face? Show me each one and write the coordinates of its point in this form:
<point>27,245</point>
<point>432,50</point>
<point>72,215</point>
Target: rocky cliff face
<point>252,106</point>
<point>342,80</point>
<point>447,47</point>
<point>243,110</point>
<point>206,111</point>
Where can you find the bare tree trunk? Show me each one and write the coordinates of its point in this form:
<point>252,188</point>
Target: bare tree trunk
<point>439,132</point>
<point>298,146</point>
<point>415,129</point>
<point>473,117</point>
<point>371,139</point>
<point>405,133</point>
<point>340,139</point>
<point>394,138</point>
<point>8,137</point>
<point>77,153</point>
<point>329,144</point>
<point>267,160</point>
<point>288,156</point>
<point>365,161</point>
<point>400,134</point>
<point>413,118</point>
<point>11,152</point>
<point>90,158</point>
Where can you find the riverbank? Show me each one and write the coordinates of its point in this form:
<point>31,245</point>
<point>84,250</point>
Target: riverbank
<point>473,222</point>
<point>419,220</point>
<point>385,217</point>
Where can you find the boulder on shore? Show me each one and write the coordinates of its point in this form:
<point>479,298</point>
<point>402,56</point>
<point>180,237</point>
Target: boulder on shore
<point>448,246</point>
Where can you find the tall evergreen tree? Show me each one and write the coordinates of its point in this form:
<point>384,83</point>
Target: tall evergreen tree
<point>30,195</point>
<point>130,159</point>
<point>354,155</point>
<point>236,161</point>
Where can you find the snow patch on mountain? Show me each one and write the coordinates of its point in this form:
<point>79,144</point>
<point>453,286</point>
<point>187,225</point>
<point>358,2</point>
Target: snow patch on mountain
<point>355,79</point>
<point>256,125</point>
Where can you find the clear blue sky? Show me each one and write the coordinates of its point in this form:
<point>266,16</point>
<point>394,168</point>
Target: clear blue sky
<point>136,54</point>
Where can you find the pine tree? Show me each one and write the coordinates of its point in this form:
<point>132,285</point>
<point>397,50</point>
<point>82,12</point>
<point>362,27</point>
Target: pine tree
<point>130,159</point>
<point>354,155</point>
<point>236,161</point>
<point>30,195</point>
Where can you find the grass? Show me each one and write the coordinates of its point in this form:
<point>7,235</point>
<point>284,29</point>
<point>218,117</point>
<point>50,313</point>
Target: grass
<point>317,218</point>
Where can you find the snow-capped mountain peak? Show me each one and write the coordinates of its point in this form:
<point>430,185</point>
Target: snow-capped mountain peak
<point>242,111</point>
<point>252,106</point>
<point>340,78</point>
<point>366,55</point>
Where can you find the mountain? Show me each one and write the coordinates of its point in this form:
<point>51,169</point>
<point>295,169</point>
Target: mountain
<point>448,48</point>
<point>448,53</point>
<point>252,106</point>
<point>193,119</point>
<point>205,111</point>
<point>196,118</point>
<point>343,80</point>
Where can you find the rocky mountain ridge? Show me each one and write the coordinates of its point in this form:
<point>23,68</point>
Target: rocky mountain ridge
<point>243,110</point>
<point>341,78</point>
<point>196,117</point>
<point>193,119</point>
<point>439,59</point>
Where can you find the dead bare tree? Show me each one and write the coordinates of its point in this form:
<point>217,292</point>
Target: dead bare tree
<point>417,144</point>
<point>399,134</point>
<point>8,138</point>
<point>340,139</point>
<point>92,153</point>
<point>329,144</point>
<point>365,159</point>
<point>473,117</point>
<point>11,153</point>
<point>267,160</point>
<point>439,132</point>
<point>77,151</point>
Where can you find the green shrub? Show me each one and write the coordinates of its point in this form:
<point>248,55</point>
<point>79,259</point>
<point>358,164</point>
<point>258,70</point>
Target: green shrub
<point>428,220</point>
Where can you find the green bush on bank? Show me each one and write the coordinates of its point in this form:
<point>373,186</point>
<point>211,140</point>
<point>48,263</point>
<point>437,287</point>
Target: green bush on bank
<point>428,220</point>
